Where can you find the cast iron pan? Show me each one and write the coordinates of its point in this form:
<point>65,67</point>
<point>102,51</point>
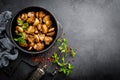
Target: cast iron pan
<point>10,29</point>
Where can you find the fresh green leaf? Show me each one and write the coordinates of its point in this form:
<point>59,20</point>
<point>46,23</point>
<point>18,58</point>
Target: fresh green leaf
<point>25,25</point>
<point>73,53</point>
<point>70,66</point>
<point>20,22</point>
<point>55,57</point>
<point>59,40</point>
<point>68,72</point>
<point>63,46</point>
<point>63,51</point>
<point>21,40</point>
<point>63,59</point>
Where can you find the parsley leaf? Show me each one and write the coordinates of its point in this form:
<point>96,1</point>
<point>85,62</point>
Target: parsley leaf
<point>21,38</point>
<point>20,22</point>
<point>25,25</point>
<point>73,53</point>
<point>63,46</point>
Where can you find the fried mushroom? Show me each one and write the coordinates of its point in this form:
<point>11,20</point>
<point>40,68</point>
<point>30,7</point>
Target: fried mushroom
<point>36,22</point>
<point>44,29</point>
<point>41,36</point>
<point>41,14</point>
<point>39,46</point>
<point>51,33</point>
<point>30,30</point>
<point>48,40</point>
<point>19,29</point>
<point>30,20</point>
<point>31,14</point>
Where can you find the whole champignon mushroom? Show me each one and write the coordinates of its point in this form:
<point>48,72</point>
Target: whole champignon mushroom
<point>30,48</point>
<point>51,29</point>
<point>40,19</point>
<point>16,31</point>
<point>36,37</point>
<point>19,18</point>
<point>37,14</point>
<point>32,44</point>
<point>36,22</point>
<point>48,40</point>
<point>30,20</point>
<point>30,38</point>
<point>50,33</point>
<point>31,14</point>
<point>41,14</point>
<point>46,18</point>
<point>41,36</point>
<point>39,26</point>
<point>48,23</point>
<point>30,30</point>
<point>23,45</point>
<point>19,29</point>
<point>39,46</point>
<point>24,16</point>
<point>44,29</point>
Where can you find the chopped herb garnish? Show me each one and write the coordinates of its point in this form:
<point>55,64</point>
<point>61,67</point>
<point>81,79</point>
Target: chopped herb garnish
<point>63,46</point>
<point>73,53</point>
<point>25,25</point>
<point>20,22</point>
<point>21,38</point>
<point>64,67</point>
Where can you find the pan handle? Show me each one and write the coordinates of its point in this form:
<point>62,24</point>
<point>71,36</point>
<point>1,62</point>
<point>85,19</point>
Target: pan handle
<point>7,28</point>
<point>60,30</point>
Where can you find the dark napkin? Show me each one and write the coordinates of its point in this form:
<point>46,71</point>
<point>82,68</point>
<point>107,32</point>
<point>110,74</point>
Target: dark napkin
<point>7,49</point>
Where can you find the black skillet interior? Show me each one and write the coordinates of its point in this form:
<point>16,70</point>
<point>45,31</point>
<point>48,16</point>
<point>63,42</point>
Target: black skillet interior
<point>14,23</point>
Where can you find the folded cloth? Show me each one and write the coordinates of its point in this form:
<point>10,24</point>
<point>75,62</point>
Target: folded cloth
<point>7,49</point>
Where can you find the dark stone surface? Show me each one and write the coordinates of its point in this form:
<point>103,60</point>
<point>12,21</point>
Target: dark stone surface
<point>91,26</point>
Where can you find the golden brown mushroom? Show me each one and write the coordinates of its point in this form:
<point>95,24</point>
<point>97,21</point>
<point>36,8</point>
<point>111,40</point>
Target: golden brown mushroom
<point>51,29</point>
<point>30,30</point>
<point>24,16</point>
<point>19,29</point>
<point>30,38</point>
<point>19,18</point>
<point>23,45</point>
<point>31,14</point>
<point>16,31</point>
<point>41,36</point>
<point>46,18</point>
<point>30,48</point>
<point>48,40</point>
<point>48,23</point>
<point>44,29</point>
<point>32,44</point>
<point>40,19</point>
<point>36,37</point>
<point>41,14</point>
<point>51,33</point>
<point>30,20</point>
<point>37,14</point>
<point>39,46</point>
<point>36,22</point>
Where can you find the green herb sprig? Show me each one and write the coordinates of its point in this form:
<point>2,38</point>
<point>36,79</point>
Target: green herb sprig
<point>64,67</point>
<point>21,38</point>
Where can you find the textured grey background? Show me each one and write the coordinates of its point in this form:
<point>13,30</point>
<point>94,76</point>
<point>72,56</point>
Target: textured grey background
<point>91,26</point>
